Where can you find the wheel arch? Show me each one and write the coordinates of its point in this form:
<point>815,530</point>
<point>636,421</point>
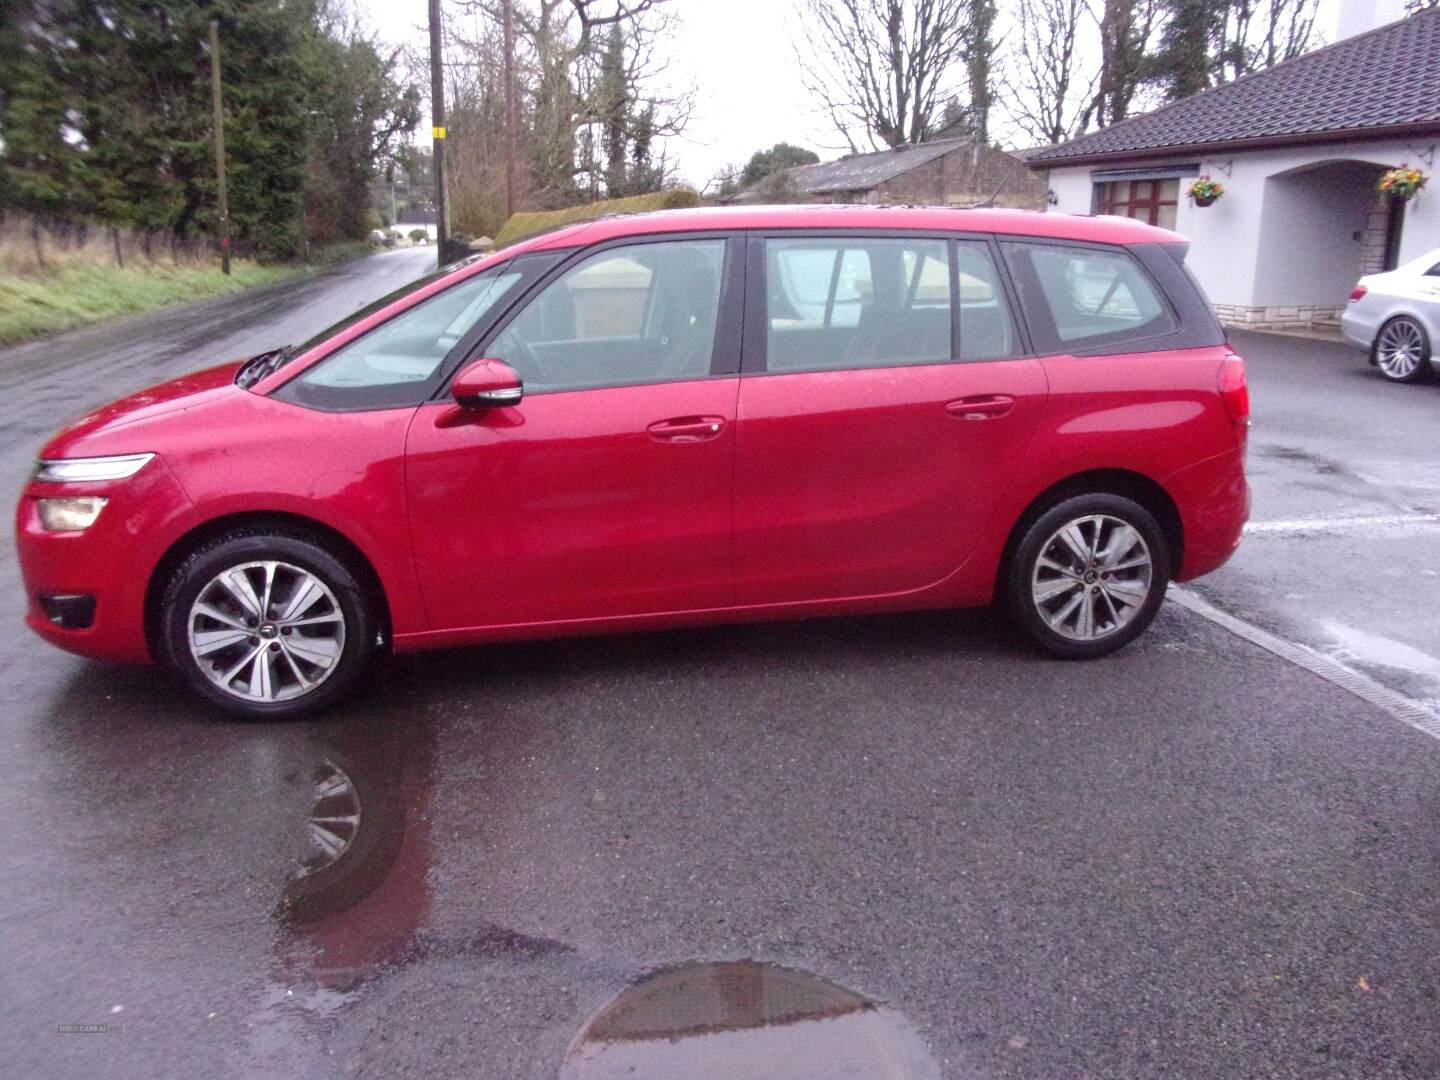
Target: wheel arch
<point>290,524</point>
<point>1125,482</point>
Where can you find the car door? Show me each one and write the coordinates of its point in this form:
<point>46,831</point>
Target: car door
<point>606,491</point>
<point>886,403</point>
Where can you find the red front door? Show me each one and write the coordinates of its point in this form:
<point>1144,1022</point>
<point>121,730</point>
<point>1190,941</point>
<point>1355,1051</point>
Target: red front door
<point>568,506</point>
<point>606,491</point>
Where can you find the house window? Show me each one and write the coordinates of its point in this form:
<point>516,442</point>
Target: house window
<point>1150,201</point>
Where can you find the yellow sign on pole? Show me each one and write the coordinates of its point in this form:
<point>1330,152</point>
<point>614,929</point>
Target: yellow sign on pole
<point>438,132</point>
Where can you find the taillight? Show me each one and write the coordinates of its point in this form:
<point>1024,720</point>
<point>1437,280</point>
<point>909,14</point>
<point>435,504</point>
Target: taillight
<point>1357,292</point>
<point>1234,391</point>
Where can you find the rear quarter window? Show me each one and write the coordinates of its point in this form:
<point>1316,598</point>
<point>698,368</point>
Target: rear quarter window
<point>1088,299</point>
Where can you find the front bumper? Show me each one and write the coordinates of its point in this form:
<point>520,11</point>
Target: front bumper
<point>109,564</point>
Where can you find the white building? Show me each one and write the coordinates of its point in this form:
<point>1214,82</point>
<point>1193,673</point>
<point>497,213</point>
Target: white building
<point>1300,148</point>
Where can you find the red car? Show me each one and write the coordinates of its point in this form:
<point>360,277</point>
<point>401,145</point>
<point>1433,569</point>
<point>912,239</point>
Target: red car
<point>689,417</point>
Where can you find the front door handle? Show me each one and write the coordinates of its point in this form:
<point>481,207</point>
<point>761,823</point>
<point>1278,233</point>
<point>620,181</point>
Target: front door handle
<point>980,406</point>
<point>687,429</point>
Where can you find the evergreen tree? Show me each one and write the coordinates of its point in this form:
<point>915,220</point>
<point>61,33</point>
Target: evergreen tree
<point>779,158</point>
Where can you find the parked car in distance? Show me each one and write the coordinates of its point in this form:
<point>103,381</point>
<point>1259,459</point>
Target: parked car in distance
<point>377,236</point>
<point>1395,318</point>
<point>689,417</point>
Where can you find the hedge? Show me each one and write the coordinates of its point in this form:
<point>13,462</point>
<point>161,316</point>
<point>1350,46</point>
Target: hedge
<point>529,223</point>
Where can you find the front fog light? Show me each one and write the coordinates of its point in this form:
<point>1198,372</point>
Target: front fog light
<point>69,515</point>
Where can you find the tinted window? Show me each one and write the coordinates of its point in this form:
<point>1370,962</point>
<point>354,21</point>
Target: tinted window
<point>987,331</point>
<point>396,363</point>
<point>1434,271</point>
<point>856,303</point>
<point>1094,296</point>
<point>634,314</point>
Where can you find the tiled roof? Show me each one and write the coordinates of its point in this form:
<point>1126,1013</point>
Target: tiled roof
<point>1385,79</point>
<point>861,172</point>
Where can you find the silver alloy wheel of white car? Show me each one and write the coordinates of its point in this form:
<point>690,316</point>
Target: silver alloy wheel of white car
<point>1092,577</point>
<point>266,631</point>
<point>1400,349</point>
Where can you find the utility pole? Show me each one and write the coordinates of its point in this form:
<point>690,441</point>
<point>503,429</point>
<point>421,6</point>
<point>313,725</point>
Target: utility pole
<point>437,119</point>
<point>219,144</point>
<point>508,28</point>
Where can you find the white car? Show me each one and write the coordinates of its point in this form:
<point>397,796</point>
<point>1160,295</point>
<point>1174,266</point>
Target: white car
<point>1395,317</point>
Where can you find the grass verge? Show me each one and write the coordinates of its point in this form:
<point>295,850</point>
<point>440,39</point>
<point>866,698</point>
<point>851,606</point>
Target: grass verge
<point>79,293</point>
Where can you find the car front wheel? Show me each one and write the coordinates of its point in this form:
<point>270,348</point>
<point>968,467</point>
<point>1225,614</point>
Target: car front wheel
<point>1088,575</point>
<point>1402,350</point>
<point>267,626</point>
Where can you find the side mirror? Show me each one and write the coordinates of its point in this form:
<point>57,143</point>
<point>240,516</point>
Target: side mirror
<point>487,384</point>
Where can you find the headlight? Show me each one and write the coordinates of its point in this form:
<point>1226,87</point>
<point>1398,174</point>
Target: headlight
<point>69,515</point>
<point>83,470</point>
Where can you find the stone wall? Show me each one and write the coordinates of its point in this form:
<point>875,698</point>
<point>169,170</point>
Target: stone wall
<point>968,174</point>
<point>1301,317</point>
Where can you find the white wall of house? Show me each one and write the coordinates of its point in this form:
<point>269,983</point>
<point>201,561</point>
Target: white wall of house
<point>1290,230</point>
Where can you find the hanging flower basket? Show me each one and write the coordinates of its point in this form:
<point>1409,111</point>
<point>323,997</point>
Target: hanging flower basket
<point>1402,183</point>
<point>1204,191</point>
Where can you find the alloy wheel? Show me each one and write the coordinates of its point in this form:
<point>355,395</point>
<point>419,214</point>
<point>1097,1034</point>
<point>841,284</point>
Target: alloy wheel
<point>266,631</point>
<point>1401,349</point>
<point>1092,577</point>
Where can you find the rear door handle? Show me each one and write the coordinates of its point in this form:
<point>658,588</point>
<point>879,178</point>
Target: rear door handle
<point>980,406</point>
<point>686,429</point>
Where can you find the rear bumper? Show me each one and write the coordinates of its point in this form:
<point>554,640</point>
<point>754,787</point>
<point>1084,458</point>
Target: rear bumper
<point>1359,328</point>
<point>1213,498</point>
<point>109,563</point>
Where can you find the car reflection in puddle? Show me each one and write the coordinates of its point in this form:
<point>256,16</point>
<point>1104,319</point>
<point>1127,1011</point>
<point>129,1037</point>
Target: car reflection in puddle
<point>745,1019</point>
<point>360,893</point>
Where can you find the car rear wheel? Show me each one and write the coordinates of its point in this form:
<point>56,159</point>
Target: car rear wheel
<point>267,626</point>
<point>1088,575</point>
<point>1402,350</point>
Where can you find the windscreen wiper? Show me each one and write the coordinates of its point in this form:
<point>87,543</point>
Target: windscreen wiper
<point>260,365</point>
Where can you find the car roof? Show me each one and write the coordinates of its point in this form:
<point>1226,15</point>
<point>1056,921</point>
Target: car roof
<point>1046,224</point>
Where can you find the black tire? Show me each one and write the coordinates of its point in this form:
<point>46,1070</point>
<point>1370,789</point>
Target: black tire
<point>249,545</point>
<point>1412,330</point>
<point>1019,577</point>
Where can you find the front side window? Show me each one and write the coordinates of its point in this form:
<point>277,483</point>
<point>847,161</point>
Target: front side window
<point>1150,201</point>
<point>1094,296</point>
<point>856,303</point>
<point>627,315</point>
<point>396,363</point>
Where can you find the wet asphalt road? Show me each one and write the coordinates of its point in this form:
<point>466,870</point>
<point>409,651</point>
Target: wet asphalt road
<point>1188,860</point>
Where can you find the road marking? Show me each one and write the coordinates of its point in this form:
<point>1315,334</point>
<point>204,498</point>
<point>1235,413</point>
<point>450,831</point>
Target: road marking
<point>1367,689</point>
<point>1372,521</point>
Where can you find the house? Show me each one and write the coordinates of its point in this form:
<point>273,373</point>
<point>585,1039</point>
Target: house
<point>1300,149</point>
<point>943,172</point>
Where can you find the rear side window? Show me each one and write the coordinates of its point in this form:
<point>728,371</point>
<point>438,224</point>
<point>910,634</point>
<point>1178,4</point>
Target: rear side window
<point>856,303</point>
<point>987,330</point>
<point>1094,298</point>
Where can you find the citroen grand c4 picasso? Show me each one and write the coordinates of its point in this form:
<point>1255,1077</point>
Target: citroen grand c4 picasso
<point>689,417</point>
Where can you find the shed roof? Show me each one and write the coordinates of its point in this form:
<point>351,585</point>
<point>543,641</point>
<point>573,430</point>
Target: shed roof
<point>863,172</point>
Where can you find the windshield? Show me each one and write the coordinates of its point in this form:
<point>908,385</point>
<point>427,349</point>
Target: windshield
<point>263,364</point>
<point>400,361</point>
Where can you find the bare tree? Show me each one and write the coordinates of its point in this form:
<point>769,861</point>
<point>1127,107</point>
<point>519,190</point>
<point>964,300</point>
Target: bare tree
<point>1126,27</point>
<point>1046,84</point>
<point>1261,33</point>
<point>879,67</point>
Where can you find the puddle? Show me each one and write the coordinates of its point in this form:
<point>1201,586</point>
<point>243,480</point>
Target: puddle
<point>1361,646</point>
<point>745,1019</point>
<point>360,893</point>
